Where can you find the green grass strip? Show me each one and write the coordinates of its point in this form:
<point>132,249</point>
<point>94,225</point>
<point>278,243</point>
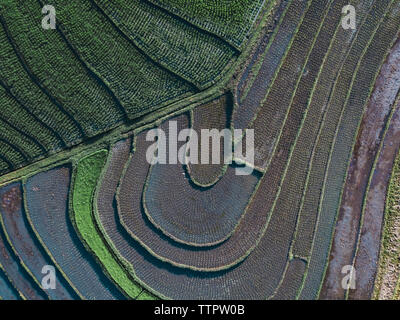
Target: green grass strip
<point>145,295</point>
<point>86,175</point>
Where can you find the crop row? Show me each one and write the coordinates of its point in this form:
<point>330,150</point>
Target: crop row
<point>281,228</point>
<point>37,139</point>
<point>330,115</point>
<point>14,111</point>
<point>316,113</point>
<point>105,213</point>
<point>361,170</point>
<point>135,221</point>
<point>230,20</point>
<point>141,261</point>
<point>138,84</point>
<point>7,292</point>
<point>35,109</point>
<point>274,108</point>
<point>24,243</point>
<point>31,239</point>
<point>72,88</point>
<point>193,215</point>
<point>267,244</point>
<point>277,12</point>
<point>291,281</point>
<point>10,264</point>
<point>267,191</point>
<point>269,64</point>
<point>358,76</point>
<point>56,68</point>
<point>49,219</point>
<point>366,256</point>
<point>26,147</point>
<point>196,56</point>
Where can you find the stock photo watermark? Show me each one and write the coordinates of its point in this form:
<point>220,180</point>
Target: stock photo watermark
<point>349,280</point>
<point>349,18</point>
<point>49,280</point>
<point>189,152</point>
<point>49,20</point>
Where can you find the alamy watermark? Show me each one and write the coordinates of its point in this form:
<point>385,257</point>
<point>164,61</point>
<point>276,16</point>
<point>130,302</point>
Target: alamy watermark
<point>49,280</point>
<point>165,150</point>
<point>49,20</point>
<point>349,280</point>
<point>349,18</point>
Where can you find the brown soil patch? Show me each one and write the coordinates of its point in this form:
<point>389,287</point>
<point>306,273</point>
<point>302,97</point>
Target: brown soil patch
<point>11,200</point>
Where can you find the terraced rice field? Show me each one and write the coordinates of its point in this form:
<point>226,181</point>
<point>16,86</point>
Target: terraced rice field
<point>83,191</point>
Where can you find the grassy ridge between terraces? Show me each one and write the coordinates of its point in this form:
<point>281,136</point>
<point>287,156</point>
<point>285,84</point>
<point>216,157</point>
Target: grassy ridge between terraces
<point>86,175</point>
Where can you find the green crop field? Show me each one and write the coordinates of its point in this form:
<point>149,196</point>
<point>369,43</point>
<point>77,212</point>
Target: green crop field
<point>199,150</point>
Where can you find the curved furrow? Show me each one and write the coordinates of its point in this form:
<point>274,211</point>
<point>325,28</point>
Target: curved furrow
<point>291,281</point>
<point>15,133</point>
<point>33,127</point>
<point>217,17</point>
<point>30,96</point>
<point>19,141</point>
<point>40,78</point>
<point>139,85</point>
<point>250,71</point>
<point>268,186</point>
<point>366,256</point>
<point>269,63</point>
<point>192,216</point>
<point>15,142</point>
<point>86,176</point>
<point>46,196</point>
<point>301,154</point>
<point>317,113</point>
<point>273,111</point>
<point>26,137</point>
<point>4,165</point>
<point>243,281</point>
<point>23,282</point>
<point>7,291</point>
<point>129,198</point>
<point>15,115</point>
<point>282,224</point>
<point>56,69</point>
<point>24,244</point>
<point>269,183</point>
<point>333,101</point>
<point>197,57</point>
<point>362,76</point>
<point>11,153</point>
<point>215,114</point>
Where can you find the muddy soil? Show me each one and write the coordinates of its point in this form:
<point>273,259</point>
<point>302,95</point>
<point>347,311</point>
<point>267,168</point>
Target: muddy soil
<point>350,218</point>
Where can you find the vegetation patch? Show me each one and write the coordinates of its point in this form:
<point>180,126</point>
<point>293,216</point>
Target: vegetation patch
<point>87,173</point>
